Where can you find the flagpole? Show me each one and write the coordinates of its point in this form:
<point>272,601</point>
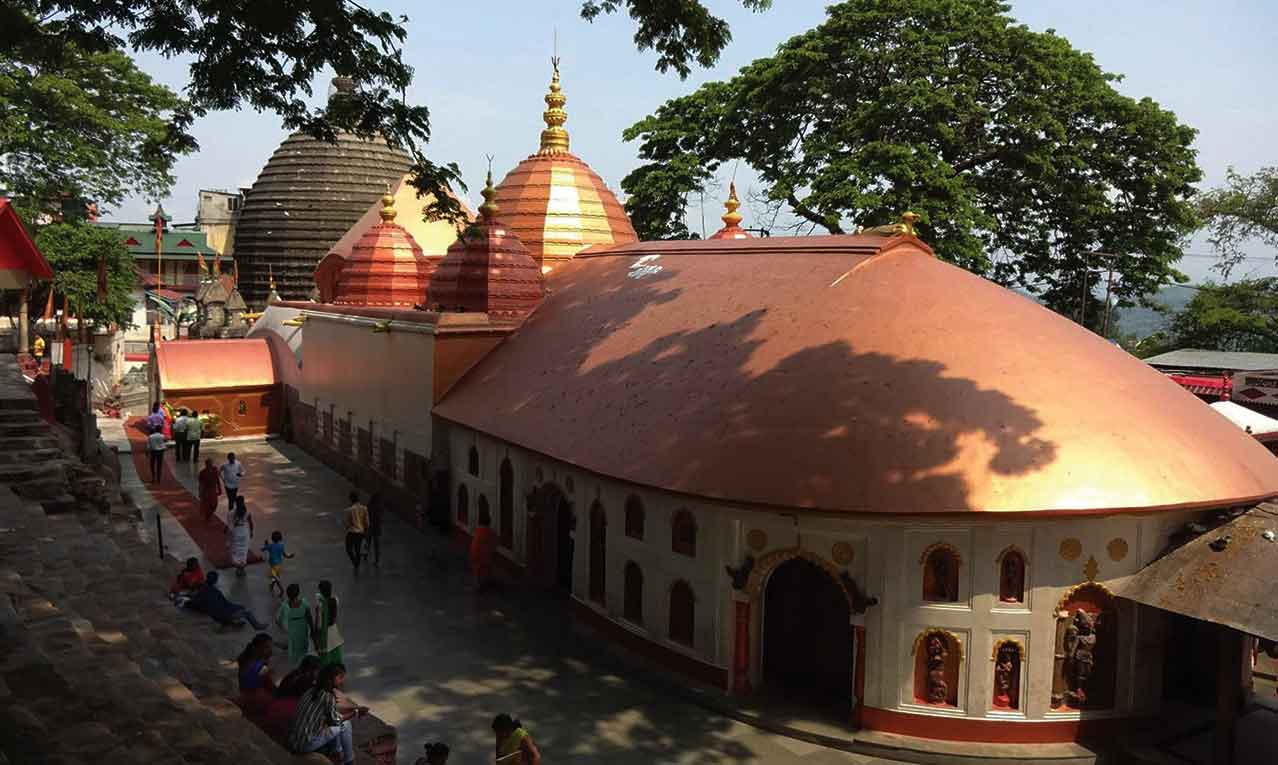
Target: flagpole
<point>159,273</point>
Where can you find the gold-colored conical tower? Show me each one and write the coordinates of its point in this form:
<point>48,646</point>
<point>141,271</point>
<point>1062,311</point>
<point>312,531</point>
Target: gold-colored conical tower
<point>554,139</point>
<point>731,219</point>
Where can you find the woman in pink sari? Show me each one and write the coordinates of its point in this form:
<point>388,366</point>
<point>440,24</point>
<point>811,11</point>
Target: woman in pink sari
<point>482,546</point>
<point>210,489</point>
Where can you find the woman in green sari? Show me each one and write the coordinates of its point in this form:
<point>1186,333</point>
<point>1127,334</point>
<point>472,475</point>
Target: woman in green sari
<point>295,618</point>
<point>328,639</point>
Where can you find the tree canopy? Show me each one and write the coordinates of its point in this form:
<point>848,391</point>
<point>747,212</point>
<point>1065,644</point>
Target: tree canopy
<point>1238,316</point>
<point>74,250</point>
<point>243,54</point>
<point>1016,150</point>
<point>681,32</point>
<point>1244,209</point>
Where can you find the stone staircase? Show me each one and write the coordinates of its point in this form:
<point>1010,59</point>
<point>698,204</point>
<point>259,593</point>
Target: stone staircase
<point>96,665</point>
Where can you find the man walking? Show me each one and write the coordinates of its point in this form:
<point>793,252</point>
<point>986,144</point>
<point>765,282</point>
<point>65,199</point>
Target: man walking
<point>356,528</point>
<point>194,431</point>
<point>232,472</point>
<point>155,444</point>
<point>179,435</point>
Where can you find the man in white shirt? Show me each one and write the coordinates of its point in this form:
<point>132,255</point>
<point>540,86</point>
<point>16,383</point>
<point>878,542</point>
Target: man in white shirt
<point>232,472</point>
<point>179,435</point>
<point>194,431</point>
<point>155,444</point>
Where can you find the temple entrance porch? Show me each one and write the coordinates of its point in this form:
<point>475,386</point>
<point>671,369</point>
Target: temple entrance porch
<point>550,538</point>
<point>807,644</point>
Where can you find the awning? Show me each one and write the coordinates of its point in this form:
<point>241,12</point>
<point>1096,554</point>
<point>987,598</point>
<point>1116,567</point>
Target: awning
<point>1205,386</point>
<point>1261,427</point>
<point>1225,575</point>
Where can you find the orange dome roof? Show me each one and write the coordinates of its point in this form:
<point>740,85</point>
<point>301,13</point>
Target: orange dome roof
<point>488,270</point>
<point>554,202</point>
<point>386,266</point>
<point>731,219</point>
<point>851,374</point>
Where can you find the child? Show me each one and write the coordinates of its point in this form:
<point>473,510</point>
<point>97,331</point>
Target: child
<point>189,580</point>
<point>275,556</point>
<point>436,754</point>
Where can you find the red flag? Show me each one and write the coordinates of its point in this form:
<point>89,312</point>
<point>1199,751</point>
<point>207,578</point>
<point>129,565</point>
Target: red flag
<point>66,306</point>
<point>217,264</point>
<point>235,275</point>
<point>199,259</point>
<point>48,306</point>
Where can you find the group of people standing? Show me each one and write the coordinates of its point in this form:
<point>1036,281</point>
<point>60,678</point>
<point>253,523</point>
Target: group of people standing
<point>187,429</point>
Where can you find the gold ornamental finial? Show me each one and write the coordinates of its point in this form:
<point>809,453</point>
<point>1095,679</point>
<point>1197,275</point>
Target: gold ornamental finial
<point>732,218</point>
<point>906,226</point>
<point>488,210</point>
<point>554,139</point>
<point>388,206</point>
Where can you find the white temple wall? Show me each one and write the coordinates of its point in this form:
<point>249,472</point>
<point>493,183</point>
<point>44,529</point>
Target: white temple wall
<point>378,378</point>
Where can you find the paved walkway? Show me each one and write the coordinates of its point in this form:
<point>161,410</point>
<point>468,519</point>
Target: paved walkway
<point>438,662</point>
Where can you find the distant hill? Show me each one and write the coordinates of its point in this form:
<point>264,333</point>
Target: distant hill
<point>1143,322</point>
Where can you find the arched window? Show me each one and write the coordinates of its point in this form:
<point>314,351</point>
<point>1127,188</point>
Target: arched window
<point>1011,576</point>
<point>472,462</point>
<point>1007,675</point>
<point>598,553</point>
<point>463,505</point>
<point>683,613</point>
<point>941,574</point>
<point>937,656</point>
<point>633,605</point>
<point>634,517</point>
<point>485,517</point>
<point>683,538</point>
<point>506,505</point>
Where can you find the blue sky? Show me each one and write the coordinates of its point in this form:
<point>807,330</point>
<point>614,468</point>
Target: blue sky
<point>483,69</point>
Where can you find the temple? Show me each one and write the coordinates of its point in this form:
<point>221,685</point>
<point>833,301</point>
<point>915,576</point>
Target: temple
<point>812,467</point>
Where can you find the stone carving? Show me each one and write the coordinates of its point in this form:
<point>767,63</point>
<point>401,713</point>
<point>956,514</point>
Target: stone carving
<point>756,539</point>
<point>860,601</point>
<point>1070,549</point>
<point>1007,675</point>
<point>1091,568</point>
<point>1117,549</point>
<point>841,553</point>
<point>1011,587</point>
<point>1080,657</point>
<point>938,691</point>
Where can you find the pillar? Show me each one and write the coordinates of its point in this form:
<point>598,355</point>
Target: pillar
<point>1228,694</point>
<point>24,328</point>
<point>741,654</point>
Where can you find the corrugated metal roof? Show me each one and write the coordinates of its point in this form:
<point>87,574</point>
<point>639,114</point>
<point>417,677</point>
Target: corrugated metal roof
<point>1193,358</point>
<point>1225,575</point>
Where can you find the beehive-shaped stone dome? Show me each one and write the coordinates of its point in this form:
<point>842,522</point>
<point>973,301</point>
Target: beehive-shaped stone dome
<point>306,197</point>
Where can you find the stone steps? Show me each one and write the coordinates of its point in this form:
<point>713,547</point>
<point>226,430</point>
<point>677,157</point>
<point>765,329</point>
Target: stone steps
<point>18,472</point>
<point>19,416</point>
<point>11,454</point>
<point>11,429</point>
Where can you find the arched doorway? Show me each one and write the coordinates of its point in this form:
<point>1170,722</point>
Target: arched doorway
<point>549,537</point>
<point>598,554</point>
<point>807,638</point>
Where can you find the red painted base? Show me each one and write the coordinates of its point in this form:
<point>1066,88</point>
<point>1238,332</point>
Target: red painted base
<point>716,677</point>
<point>991,731</point>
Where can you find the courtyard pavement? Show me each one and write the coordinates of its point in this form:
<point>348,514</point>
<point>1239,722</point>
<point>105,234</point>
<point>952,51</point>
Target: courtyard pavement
<point>437,661</point>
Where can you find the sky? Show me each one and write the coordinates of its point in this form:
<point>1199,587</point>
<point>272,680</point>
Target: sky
<point>483,74</point>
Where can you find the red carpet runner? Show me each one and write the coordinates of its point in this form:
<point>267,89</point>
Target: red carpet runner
<point>210,535</point>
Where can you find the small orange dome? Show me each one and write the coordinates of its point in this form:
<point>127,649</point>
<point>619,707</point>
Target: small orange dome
<point>386,266</point>
<point>731,219</point>
<point>488,270</point>
<point>554,202</point>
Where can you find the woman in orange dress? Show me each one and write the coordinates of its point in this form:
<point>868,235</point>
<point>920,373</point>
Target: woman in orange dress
<point>210,489</point>
<point>481,551</point>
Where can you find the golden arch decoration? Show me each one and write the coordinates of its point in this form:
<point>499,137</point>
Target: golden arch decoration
<point>765,565</point>
<point>1013,642</point>
<point>950,638</point>
<point>958,557</point>
<point>1076,589</point>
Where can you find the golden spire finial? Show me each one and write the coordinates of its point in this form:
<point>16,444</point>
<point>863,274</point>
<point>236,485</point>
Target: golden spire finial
<point>906,226</point>
<point>732,218</point>
<point>554,139</point>
<point>488,210</point>
<point>388,206</point>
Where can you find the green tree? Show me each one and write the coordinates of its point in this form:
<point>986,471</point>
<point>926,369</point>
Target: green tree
<point>681,32</point>
<point>1015,148</point>
<point>1240,316</point>
<point>74,251</point>
<point>243,54</point>
<point>85,125</point>
<point>1244,209</point>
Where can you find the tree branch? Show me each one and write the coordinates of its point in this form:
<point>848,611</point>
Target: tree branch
<point>804,211</point>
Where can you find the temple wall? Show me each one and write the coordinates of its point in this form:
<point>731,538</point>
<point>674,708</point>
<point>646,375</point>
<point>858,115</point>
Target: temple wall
<point>885,558</point>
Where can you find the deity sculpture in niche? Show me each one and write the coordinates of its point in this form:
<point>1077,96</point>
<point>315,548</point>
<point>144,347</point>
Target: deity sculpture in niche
<point>1011,587</point>
<point>1007,673</point>
<point>1084,673</point>
<point>938,691</point>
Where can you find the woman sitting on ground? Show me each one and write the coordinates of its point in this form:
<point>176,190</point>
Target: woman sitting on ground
<point>279,715</point>
<point>318,724</point>
<point>257,684</point>
<point>189,580</point>
<point>210,600</point>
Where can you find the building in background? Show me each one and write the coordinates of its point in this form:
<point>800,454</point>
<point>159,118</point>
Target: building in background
<point>217,214</point>
<point>1250,379</point>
